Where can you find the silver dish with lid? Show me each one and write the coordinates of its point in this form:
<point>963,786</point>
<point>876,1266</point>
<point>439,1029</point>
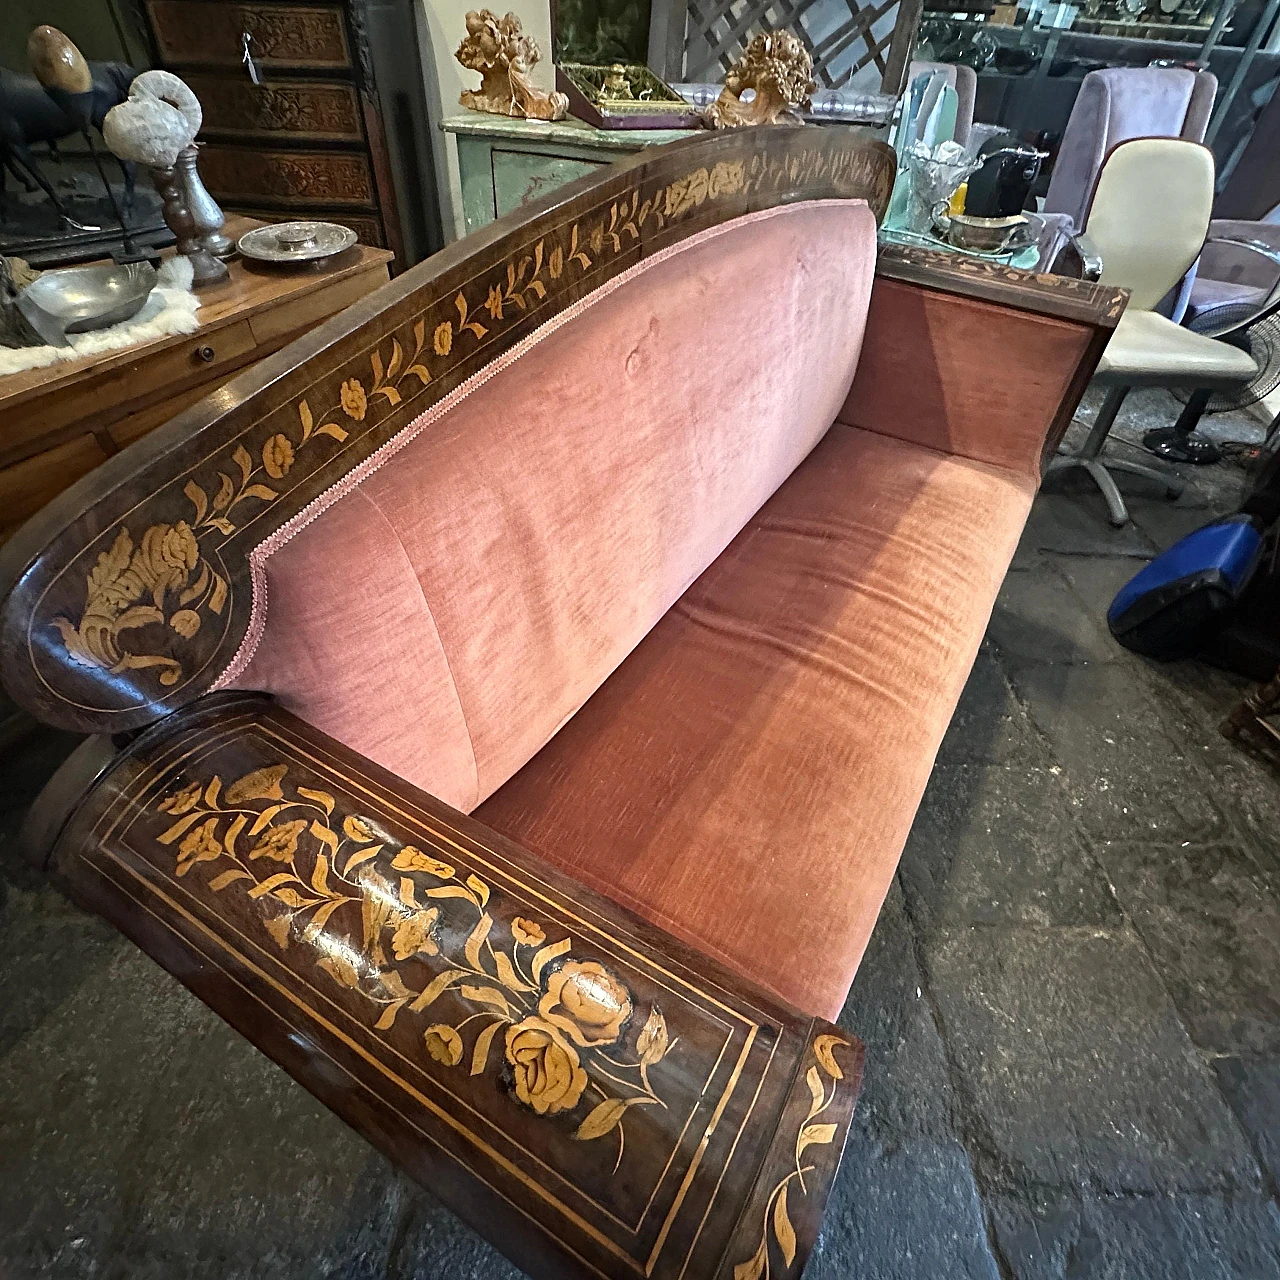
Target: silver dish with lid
<point>296,241</point>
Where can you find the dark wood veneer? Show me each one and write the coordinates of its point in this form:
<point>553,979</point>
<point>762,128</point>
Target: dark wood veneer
<point>634,1109</point>
<point>333,398</point>
<point>402,962</point>
<point>1062,296</point>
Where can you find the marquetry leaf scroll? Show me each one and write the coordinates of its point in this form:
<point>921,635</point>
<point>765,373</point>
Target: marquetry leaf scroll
<point>553,1027</point>
<point>153,609</point>
<point>164,580</point>
<point>777,1218</point>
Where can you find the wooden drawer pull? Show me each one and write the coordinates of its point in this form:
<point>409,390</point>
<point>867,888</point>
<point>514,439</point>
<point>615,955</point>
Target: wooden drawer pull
<point>205,353</point>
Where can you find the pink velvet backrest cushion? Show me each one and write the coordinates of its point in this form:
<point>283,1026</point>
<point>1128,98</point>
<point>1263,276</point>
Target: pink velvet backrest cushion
<point>449,611</point>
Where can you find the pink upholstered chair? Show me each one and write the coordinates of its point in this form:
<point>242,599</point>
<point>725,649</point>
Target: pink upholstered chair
<point>523,685</point>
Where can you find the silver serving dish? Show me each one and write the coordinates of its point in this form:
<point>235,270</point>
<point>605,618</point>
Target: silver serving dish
<point>80,299</point>
<point>296,241</point>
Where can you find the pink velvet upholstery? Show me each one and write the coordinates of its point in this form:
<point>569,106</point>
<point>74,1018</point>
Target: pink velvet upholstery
<point>454,609</point>
<point>748,776</point>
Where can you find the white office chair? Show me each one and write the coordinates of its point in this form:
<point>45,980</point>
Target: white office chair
<point>1147,223</point>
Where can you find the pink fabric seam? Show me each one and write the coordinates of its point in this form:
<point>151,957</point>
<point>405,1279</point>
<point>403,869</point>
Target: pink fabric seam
<point>259,555</point>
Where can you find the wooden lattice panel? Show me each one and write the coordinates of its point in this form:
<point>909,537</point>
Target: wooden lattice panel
<point>842,36</point>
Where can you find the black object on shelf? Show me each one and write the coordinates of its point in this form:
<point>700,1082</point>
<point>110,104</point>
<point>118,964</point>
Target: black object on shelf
<point>1002,186</point>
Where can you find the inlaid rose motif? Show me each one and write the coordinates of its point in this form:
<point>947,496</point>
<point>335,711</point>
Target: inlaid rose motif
<point>277,456</point>
<point>527,933</point>
<point>444,1044</point>
<point>261,784</point>
<point>186,622</point>
<point>442,339</point>
<point>411,858</point>
<point>181,801</point>
<point>354,401</point>
<point>585,1001</point>
<point>201,845</point>
<point>166,558</point>
<point>436,935</point>
<point>548,1076</point>
<point>357,829</point>
<point>413,935</point>
<point>279,843</point>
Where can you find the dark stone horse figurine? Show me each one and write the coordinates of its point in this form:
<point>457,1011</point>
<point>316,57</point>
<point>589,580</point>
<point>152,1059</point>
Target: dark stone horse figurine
<point>29,115</point>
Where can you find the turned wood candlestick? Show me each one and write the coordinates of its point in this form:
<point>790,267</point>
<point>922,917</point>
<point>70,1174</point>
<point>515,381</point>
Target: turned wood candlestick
<point>206,268</point>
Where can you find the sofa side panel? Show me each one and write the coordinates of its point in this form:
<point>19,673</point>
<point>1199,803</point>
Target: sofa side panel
<point>969,377</point>
<point>589,1094</point>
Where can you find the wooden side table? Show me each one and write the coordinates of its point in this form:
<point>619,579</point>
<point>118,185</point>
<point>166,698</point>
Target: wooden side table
<point>505,163</point>
<point>59,422</point>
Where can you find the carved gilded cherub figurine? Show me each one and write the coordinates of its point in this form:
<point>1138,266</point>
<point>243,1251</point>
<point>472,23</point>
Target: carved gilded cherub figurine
<point>778,69</point>
<point>504,56</point>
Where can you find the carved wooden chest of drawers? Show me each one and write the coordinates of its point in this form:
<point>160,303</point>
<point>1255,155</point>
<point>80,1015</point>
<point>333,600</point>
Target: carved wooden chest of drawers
<point>294,124</point>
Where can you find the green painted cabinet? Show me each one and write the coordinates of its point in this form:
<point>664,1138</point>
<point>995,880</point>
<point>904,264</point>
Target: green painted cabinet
<point>506,163</point>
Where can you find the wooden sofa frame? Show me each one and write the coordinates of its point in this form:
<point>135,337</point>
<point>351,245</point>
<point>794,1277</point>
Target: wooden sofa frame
<point>714,1124</point>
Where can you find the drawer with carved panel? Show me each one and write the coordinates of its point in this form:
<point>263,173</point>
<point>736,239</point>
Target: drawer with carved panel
<point>280,35</point>
<point>293,125</point>
<point>302,178</point>
<point>277,110</point>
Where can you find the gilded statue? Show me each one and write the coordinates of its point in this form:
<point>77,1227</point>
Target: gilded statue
<point>778,70</point>
<point>504,56</point>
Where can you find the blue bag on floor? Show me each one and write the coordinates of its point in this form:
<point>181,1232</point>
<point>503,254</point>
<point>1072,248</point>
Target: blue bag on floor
<point>1173,605</point>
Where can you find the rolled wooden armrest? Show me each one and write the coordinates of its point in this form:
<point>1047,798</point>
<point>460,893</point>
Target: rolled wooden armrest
<point>593,1096</point>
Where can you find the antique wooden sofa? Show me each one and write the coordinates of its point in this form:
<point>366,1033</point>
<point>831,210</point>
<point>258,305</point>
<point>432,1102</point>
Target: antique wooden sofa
<point>510,700</point>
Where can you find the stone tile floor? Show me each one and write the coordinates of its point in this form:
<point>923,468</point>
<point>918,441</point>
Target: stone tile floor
<point>1071,1005</point>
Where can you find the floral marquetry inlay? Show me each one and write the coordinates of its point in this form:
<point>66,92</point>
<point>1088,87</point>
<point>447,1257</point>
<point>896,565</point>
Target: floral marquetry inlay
<point>562,1034</point>
<point>813,1132</point>
<point>139,603</point>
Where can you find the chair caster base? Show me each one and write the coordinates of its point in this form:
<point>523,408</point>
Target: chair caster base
<point>1098,471</point>
<point>1168,443</point>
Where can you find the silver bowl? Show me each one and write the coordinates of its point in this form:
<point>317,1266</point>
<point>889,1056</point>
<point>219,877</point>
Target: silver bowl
<point>966,231</point>
<point>81,299</point>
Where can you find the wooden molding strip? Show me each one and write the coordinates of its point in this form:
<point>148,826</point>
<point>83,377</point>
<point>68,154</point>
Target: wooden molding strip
<point>1049,295</point>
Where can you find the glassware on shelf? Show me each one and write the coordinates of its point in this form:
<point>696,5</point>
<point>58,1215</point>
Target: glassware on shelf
<point>934,177</point>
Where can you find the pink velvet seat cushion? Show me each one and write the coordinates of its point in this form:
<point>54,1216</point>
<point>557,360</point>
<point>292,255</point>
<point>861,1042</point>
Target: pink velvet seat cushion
<point>451,611</point>
<point>748,776</point>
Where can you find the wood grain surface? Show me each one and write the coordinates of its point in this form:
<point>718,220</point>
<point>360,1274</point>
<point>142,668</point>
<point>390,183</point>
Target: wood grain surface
<point>592,1096</point>
<point>128,596</point>
<point>63,420</point>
